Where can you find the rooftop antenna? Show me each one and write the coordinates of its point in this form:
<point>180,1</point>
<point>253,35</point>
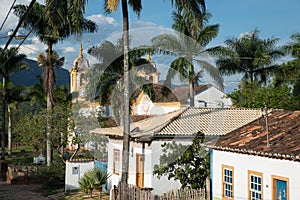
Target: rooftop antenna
<point>267,126</point>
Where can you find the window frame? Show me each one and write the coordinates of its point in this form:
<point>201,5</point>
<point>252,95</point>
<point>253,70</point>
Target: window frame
<point>257,174</point>
<point>274,189</point>
<point>116,154</point>
<point>223,182</point>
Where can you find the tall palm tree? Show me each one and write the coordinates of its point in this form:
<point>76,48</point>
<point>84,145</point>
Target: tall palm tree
<point>112,6</point>
<point>14,96</point>
<point>11,61</point>
<point>55,21</point>
<point>251,56</point>
<point>190,46</point>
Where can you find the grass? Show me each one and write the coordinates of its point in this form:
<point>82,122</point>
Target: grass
<point>23,155</point>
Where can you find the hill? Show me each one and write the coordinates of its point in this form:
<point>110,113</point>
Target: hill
<point>29,76</point>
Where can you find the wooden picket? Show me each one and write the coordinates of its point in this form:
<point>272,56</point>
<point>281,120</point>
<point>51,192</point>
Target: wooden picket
<point>132,192</point>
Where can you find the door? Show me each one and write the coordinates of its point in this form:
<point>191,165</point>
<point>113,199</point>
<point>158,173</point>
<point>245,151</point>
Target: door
<point>140,170</point>
<point>281,189</point>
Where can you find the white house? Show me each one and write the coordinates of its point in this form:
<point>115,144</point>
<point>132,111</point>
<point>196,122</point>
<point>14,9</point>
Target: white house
<point>147,137</point>
<point>259,160</point>
<point>205,96</point>
<point>75,170</point>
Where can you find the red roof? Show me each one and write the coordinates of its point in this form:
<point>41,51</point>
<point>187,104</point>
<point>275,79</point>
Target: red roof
<point>283,134</point>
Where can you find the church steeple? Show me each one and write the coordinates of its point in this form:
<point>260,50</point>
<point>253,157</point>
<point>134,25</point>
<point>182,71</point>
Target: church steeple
<point>80,53</point>
<point>148,56</point>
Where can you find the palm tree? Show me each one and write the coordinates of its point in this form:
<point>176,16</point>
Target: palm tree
<point>11,61</point>
<point>14,96</point>
<point>108,74</point>
<point>189,45</point>
<point>112,6</point>
<point>251,56</point>
<point>57,20</point>
<point>93,179</point>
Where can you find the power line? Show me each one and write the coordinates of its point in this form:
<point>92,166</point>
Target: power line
<point>7,15</point>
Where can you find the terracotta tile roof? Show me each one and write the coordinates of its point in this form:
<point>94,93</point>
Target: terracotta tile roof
<point>284,136</point>
<point>210,121</point>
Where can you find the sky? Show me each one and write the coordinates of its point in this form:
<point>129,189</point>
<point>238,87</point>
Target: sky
<point>274,18</point>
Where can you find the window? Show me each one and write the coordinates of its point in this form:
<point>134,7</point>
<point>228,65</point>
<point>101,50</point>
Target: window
<point>82,80</point>
<point>116,162</point>
<point>280,188</point>
<point>227,182</point>
<point>255,185</point>
<point>75,170</point>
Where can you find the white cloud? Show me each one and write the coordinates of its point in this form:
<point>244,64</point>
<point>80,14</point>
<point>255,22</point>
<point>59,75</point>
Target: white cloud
<point>101,20</point>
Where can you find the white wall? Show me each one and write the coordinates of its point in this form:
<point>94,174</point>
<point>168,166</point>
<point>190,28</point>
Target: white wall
<point>71,180</point>
<point>267,166</point>
<point>213,97</point>
<point>152,154</point>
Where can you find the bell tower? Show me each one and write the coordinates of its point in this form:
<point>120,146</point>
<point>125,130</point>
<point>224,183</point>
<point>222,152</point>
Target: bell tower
<point>78,76</point>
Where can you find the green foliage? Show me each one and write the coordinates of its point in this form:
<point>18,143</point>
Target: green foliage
<point>53,176</point>
<point>187,163</point>
<point>93,179</point>
<point>251,56</point>
<point>255,96</point>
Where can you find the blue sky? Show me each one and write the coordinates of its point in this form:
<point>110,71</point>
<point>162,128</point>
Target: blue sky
<point>273,18</point>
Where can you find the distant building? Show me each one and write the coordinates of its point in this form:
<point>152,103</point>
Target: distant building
<point>206,96</point>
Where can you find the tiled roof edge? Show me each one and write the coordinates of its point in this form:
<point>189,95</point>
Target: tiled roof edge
<point>257,153</point>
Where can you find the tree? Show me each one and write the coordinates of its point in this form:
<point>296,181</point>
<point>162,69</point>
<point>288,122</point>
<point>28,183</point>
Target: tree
<point>187,163</point>
<point>112,6</point>
<point>289,72</point>
<point>251,56</point>
<point>11,61</point>
<point>93,179</point>
<point>57,20</point>
<point>189,46</point>
<point>255,96</point>
<point>14,97</point>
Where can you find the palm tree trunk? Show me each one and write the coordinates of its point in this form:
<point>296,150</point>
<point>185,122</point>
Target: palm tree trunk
<point>3,120</point>
<point>9,132</point>
<point>191,84</point>
<point>125,157</point>
<point>49,104</point>
<point>191,88</point>
<point>48,142</point>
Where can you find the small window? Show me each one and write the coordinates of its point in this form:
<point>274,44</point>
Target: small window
<point>82,80</point>
<point>227,182</point>
<point>116,162</point>
<point>75,170</point>
<point>255,180</point>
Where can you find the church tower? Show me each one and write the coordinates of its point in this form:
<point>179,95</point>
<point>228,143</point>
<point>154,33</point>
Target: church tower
<point>78,76</point>
<point>149,71</point>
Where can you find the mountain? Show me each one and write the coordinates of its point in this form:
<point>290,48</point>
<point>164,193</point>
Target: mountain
<point>28,77</point>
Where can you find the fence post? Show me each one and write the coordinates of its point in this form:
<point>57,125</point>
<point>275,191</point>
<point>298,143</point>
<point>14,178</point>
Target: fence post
<point>208,188</point>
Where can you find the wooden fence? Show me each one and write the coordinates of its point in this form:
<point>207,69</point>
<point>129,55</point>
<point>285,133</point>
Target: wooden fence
<point>131,192</point>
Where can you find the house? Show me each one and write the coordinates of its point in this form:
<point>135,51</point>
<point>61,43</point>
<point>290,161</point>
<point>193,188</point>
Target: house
<point>148,135</point>
<point>260,160</point>
<point>76,168</point>
<point>143,105</point>
<point>206,95</point>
